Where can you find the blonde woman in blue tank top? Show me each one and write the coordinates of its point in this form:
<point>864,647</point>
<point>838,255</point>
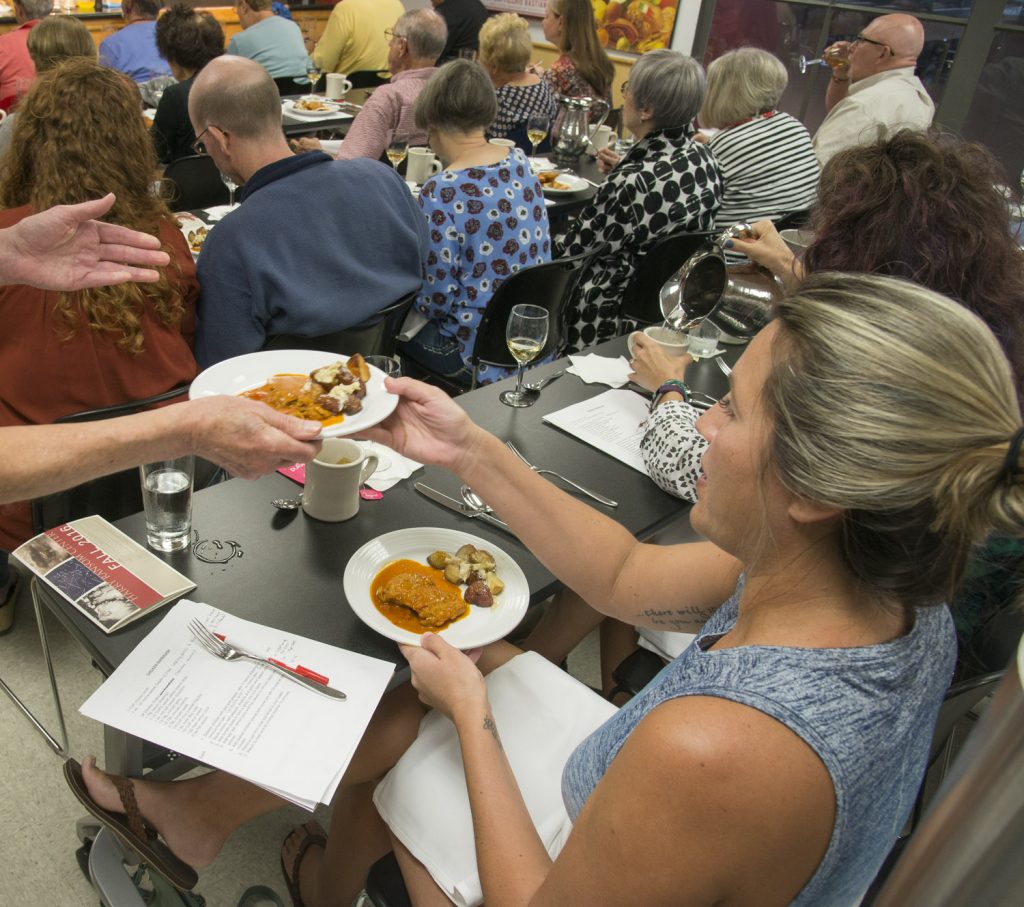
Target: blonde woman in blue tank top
<point>857,458</point>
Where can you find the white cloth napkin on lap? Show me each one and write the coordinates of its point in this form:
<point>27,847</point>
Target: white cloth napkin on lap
<point>594,369</point>
<point>393,467</point>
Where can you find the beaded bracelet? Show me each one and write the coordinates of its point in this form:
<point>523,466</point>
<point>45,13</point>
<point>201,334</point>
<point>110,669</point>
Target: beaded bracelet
<point>672,385</point>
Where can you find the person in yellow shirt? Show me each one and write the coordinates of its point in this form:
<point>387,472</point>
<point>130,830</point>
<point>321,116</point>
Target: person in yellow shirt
<point>354,37</point>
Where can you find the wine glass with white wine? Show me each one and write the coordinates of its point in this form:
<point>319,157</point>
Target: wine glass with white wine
<point>398,148</point>
<point>536,131</point>
<point>526,333</point>
<point>313,74</point>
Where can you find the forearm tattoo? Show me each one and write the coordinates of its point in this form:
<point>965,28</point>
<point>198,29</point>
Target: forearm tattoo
<point>671,618</point>
<point>492,728</point>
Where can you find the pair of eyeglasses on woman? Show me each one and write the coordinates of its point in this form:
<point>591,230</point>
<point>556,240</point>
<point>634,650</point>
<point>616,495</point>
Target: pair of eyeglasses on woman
<point>861,39</point>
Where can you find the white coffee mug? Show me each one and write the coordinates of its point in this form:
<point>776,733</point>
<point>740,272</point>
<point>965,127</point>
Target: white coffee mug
<point>337,85</point>
<point>603,136</point>
<point>505,143</point>
<point>420,165</point>
<point>672,342</point>
<point>331,493</point>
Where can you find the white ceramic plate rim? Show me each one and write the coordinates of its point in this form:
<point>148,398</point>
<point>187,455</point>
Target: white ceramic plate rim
<point>294,111</point>
<point>242,373</point>
<point>576,184</point>
<point>482,626</point>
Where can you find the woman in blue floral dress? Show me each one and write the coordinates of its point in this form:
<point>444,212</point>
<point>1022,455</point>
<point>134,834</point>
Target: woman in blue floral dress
<point>487,220</point>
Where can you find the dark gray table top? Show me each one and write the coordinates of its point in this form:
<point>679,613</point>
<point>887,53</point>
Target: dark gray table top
<point>285,570</point>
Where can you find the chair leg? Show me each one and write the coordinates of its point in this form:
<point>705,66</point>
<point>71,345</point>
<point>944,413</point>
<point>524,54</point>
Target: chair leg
<point>59,747</point>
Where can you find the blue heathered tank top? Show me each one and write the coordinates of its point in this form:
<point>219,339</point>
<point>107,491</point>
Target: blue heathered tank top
<point>868,713</point>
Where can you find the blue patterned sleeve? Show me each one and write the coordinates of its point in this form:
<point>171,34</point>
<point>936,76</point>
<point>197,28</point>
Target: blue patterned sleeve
<point>443,269</point>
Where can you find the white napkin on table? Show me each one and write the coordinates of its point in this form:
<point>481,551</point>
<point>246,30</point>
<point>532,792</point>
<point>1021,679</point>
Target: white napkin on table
<point>215,213</point>
<point>594,369</point>
<point>393,467</point>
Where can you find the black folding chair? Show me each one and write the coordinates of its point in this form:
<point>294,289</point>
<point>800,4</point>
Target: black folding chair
<point>367,78</point>
<point>377,336</point>
<point>641,301</point>
<point>194,182</point>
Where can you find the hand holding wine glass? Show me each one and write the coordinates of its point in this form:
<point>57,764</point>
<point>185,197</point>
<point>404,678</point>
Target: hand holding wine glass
<point>526,333</point>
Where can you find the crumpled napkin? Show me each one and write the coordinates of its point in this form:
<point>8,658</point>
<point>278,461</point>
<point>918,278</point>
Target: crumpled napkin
<point>541,163</point>
<point>594,369</point>
<point>392,468</point>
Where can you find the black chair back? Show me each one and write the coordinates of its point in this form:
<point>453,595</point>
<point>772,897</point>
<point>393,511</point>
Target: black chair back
<point>114,496</point>
<point>291,85</point>
<point>367,78</point>
<point>794,220</point>
<point>641,301</point>
<point>194,182</point>
<point>548,285</point>
<point>377,336</point>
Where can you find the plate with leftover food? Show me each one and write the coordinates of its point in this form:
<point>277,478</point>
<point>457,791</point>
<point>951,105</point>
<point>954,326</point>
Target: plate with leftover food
<point>195,231</point>
<point>554,182</point>
<point>413,581</point>
<point>313,107</point>
<point>342,392</point>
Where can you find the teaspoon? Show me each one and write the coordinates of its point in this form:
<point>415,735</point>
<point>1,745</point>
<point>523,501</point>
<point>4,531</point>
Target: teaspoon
<point>287,503</point>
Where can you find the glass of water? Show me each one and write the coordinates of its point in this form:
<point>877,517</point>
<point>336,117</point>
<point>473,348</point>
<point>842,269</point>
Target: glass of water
<point>167,497</point>
<point>703,340</point>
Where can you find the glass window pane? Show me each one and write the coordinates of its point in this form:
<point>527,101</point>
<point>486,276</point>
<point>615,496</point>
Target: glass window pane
<point>996,116</point>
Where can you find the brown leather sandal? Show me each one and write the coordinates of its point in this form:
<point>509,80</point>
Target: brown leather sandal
<point>130,828</point>
<point>315,836</point>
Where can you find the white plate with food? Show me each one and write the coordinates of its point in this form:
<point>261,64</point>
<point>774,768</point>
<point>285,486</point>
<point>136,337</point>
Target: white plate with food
<point>194,229</point>
<point>478,625</point>
<point>313,108</point>
<point>254,372</point>
<point>561,183</point>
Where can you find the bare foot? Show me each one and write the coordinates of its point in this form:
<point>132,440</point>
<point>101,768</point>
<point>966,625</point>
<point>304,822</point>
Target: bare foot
<point>308,870</point>
<point>177,810</point>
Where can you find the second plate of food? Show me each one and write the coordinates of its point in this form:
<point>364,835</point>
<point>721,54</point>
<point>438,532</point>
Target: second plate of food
<point>245,373</point>
<point>479,626</point>
<point>563,184</point>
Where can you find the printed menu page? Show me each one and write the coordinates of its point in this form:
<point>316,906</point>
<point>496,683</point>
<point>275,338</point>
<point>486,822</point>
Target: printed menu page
<point>612,422</point>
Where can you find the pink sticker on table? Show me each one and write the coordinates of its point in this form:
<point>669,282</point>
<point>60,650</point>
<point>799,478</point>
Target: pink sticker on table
<point>370,494</point>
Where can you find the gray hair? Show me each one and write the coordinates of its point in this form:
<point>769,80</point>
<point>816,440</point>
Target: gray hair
<point>458,98</point>
<point>238,96</point>
<point>742,84</point>
<point>37,9</point>
<point>670,84</point>
<point>878,414</point>
<point>425,31</point>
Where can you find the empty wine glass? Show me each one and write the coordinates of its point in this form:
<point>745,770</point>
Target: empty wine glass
<point>397,150</point>
<point>526,333</point>
<point>703,340</point>
<point>232,186</point>
<point>537,130</point>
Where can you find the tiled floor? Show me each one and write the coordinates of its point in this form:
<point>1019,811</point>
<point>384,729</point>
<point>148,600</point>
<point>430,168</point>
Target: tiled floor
<point>38,812</point>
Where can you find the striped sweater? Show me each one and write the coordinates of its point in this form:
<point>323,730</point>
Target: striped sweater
<point>768,168</point>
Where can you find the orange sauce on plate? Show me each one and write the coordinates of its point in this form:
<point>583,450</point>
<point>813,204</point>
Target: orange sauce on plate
<point>284,393</point>
<point>403,617</point>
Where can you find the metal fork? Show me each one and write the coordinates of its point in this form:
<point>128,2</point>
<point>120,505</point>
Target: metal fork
<point>600,498</point>
<point>216,646</point>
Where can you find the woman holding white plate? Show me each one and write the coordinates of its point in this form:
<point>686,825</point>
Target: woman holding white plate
<point>775,761</point>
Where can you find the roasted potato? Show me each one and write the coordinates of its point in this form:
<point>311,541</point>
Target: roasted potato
<point>439,559</point>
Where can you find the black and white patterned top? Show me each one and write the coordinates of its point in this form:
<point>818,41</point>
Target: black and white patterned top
<point>664,183</point>
<point>769,169</point>
<point>517,103</point>
<point>672,448</point>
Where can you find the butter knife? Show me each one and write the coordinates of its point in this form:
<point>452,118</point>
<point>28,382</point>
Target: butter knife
<point>459,507</point>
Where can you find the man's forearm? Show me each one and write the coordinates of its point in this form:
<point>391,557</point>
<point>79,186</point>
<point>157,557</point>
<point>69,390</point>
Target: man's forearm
<point>41,459</point>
